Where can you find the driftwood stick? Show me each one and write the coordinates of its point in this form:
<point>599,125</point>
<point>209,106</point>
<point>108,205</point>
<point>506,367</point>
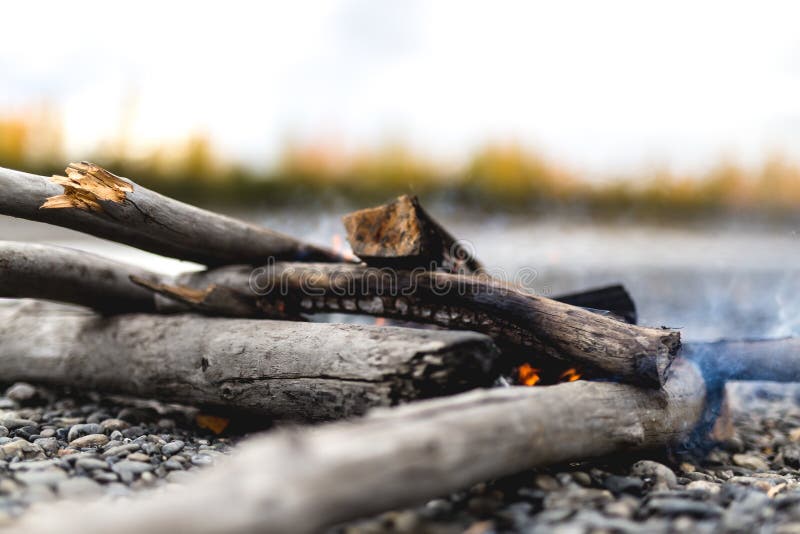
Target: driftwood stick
<point>68,275</point>
<point>550,329</point>
<point>92,200</point>
<point>304,480</point>
<point>277,370</point>
<point>775,360</point>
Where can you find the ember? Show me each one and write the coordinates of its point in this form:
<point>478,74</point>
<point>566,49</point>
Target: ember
<point>570,375</point>
<point>528,375</point>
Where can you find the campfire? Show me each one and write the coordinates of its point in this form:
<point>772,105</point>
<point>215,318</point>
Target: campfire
<point>244,337</point>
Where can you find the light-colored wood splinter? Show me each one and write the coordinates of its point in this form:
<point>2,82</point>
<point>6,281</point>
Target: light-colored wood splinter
<point>85,185</point>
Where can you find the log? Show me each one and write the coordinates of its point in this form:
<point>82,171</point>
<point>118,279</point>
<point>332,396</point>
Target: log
<point>305,480</point>
<point>614,299</point>
<point>92,200</point>
<point>72,276</point>
<point>402,234</point>
<point>774,360</point>
<point>275,370</point>
<point>547,328</point>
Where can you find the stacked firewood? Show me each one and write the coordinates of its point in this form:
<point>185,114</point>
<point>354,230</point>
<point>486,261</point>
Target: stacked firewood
<point>236,338</point>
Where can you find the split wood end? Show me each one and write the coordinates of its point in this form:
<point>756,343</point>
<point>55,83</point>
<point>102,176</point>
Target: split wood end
<point>85,186</point>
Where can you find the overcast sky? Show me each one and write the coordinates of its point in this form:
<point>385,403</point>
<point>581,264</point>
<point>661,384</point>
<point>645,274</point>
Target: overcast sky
<point>601,86</point>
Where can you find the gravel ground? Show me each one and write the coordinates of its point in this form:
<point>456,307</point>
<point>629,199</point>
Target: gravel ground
<point>58,446</point>
<point>53,446</point>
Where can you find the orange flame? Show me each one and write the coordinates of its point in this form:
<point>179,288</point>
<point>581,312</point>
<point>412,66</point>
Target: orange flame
<point>528,375</point>
<point>570,375</point>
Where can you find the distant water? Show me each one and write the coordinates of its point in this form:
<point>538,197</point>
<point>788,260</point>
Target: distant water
<point>711,281</point>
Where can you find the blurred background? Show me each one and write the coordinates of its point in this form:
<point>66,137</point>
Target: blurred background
<point>656,144</point>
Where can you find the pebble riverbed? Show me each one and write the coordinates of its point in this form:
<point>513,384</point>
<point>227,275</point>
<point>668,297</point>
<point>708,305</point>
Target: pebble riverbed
<point>56,446</point>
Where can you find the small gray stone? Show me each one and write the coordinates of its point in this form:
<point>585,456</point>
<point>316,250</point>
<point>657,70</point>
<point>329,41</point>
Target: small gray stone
<point>173,465</point>
<point>750,461</point>
<point>90,464</point>
<point>77,431</point>
<point>202,459</point>
<point>111,425</point>
<point>90,440</point>
<point>712,488</point>
<point>129,466</point>
<point>20,449</point>
<point>659,475</point>
<point>173,447</point>
<point>48,445</point>
<point>21,392</point>
<point>13,423</point>
<point>120,450</point>
<point>138,457</point>
<point>3,431</point>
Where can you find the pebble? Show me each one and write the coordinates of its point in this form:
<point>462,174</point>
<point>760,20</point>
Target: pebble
<point>172,448</point>
<point>711,488</point>
<point>91,464</point>
<point>90,440</point>
<point>749,461</point>
<point>20,449</point>
<point>120,450</point>
<point>12,423</point>
<point>114,425</point>
<point>3,431</point>
<point>48,445</point>
<point>138,457</point>
<point>77,431</point>
<point>658,475</point>
<point>22,393</point>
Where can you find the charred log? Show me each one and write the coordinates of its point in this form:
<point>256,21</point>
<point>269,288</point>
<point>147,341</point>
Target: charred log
<point>276,370</point>
<point>548,328</point>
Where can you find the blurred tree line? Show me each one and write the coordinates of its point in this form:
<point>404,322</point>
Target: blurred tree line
<point>504,177</point>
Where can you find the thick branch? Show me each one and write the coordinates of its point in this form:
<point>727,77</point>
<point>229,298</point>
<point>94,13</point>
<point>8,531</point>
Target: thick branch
<point>95,201</point>
<point>305,480</point>
<point>550,329</point>
<point>67,275</point>
<point>280,370</point>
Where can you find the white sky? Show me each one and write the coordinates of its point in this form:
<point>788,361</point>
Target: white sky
<point>601,86</point>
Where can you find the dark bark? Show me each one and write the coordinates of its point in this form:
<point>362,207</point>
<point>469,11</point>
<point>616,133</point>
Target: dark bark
<point>548,328</point>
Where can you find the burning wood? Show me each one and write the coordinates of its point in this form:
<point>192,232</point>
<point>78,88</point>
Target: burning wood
<point>549,328</point>
<point>94,201</point>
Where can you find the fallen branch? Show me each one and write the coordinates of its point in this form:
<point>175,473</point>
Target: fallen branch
<point>550,329</point>
<point>278,370</point>
<point>76,277</point>
<point>775,360</point>
<point>304,480</point>
<point>92,200</point>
